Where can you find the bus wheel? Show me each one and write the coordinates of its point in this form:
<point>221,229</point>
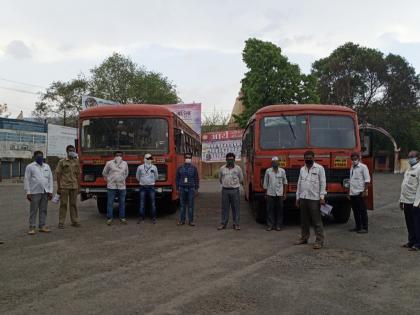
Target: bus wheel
<point>102,205</point>
<point>172,206</point>
<point>341,212</point>
<point>258,209</point>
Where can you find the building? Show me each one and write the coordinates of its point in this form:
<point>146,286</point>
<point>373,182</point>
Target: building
<point>19,139</point>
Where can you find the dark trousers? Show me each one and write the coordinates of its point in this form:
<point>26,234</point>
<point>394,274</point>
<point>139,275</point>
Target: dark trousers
<point>274,211</point>
<point>186,199</point>
<point>409,222</point>
<point>358,205</point>
<point>147,192</point>
<point>310,212</point>
<point>416,217</point>
<point>230,199</point>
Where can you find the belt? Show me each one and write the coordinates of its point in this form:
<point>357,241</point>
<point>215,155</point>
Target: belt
<point>230,188</point>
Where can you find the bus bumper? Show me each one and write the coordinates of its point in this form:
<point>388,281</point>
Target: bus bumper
<point>133,194</point>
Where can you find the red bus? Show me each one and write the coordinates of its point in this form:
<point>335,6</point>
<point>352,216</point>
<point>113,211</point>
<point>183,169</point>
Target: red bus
<point>287,131</point>
<point>135,129</point>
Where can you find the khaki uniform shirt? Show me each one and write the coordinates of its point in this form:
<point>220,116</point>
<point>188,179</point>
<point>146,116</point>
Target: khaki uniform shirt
<point>69,170</point>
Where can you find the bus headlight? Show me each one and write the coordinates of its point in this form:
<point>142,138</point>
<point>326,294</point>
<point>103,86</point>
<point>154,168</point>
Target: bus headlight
<point>346,183</point>
<point>89,178</point>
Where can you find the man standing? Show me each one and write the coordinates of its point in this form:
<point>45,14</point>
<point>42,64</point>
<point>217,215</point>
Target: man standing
<point>359,183</point>
<point>275,184</point>
<point>147,174</point>
<point>68,172</point>
<point>410,201</point>
<point>231,178</point>
<point>115,173</point>
<point>38,185</point>
<point>187,183</point>
<point>310,194</point>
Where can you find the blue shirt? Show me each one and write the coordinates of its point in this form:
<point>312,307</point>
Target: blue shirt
<point>187,177</point>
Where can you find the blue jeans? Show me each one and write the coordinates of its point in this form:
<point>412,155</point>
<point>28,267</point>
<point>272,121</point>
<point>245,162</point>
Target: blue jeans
<point>112,193</point>
<point>186,199</point>
<point>147,191</point>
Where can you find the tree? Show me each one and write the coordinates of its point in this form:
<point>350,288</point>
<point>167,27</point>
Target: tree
<point>216,121</point>
<point>272,79</point>
<point>63,100</point>
<point>382,89</point>
<point>120,79</point>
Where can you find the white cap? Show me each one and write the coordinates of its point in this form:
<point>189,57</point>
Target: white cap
<point>274,158</point>
<point>147,155</point>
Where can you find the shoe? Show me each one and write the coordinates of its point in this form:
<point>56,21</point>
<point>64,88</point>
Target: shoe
<point>278,228</point>
<point>76,224</point>
<point>317,246</point>
<point>61,226</point>
<point>109,222</point>
<point>123,221</point>
<point>354,230</point>
<point>268,228</point>
<point>154,221</point>
<point>31,231</point>
<point>179,223</point>
<point>407,245</point>
<point>362,231</point>
<point>414,248</point>
<point>191,224</point>
<point>44,229</point>
<point>1,242</point>
<point>301,242</point>
<point>141,220</point>
<point>237,227</point>
<point>221,227</point>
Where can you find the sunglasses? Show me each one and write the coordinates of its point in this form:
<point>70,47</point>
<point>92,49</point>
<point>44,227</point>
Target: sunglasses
<point>149,158</point>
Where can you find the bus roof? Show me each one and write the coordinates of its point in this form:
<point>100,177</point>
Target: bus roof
<point>304,108</point>
<point>126,110</point>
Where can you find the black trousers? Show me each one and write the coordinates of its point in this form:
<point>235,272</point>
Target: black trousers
<point>358,205</point>
<point>274,211</point>
<point>409,222</point>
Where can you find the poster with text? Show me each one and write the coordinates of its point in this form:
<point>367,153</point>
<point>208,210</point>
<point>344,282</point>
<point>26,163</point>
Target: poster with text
<point>215,145</point>
<point>190,113</point>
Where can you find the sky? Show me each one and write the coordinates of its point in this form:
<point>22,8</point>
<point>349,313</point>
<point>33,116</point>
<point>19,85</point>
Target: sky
<point>196,44</point>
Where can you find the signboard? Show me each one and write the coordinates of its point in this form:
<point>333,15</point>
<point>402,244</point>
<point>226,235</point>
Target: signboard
<point>16,144</point>
<point>190,113</point>
<point>215,145</point>
<point>59,137</point>
<point>91,101</point>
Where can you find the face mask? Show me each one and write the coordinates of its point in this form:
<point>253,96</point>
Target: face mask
<point>118,159</point>
<point>355,163</point>
<point>230,162</point>
<point>188,161</point>
<point>72,155</point>
<point>39,160</point>
<point>275,164</point>
<point>309,163</point>
<point>412,161</point>
<point>148,162</point>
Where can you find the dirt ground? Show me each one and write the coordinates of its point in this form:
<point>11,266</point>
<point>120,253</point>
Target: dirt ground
<point>165,269</point>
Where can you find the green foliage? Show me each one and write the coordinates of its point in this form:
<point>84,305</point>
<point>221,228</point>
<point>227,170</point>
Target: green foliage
<point>272,79</point>
<point>382,89</point>
<point>216,121</point>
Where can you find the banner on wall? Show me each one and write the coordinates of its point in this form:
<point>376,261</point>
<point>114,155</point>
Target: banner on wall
<point>190,113</point>
<point>59,137</point>
<point>215,145</point>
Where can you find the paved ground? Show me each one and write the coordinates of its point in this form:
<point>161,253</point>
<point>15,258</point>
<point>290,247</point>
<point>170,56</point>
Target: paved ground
<point>164,269</point>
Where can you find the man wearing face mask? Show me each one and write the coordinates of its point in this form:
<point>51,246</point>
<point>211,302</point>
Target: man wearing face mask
<point>187,183</point>
<point>115,173</point>
<point>231,178</point>
<point>359,182</point>
<point>147,174</point>
<point>310,194</point>
<point>68,172</point>
<point>38,185</point>
<point>410,201</point>
<point>275,184</point>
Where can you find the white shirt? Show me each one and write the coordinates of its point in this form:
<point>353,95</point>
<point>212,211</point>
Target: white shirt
<point>312,183</point>
<point>410,187</point>
<point>231,177</point>
<point>274,181</point>
<point>115,174</point>
<point>359,175</point>
<point>147,175</point>
<point>38,179</point>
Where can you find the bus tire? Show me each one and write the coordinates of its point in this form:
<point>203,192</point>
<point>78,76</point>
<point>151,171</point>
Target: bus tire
<point>172,207</point>
<point>102,205</point>
<point>341,212</point>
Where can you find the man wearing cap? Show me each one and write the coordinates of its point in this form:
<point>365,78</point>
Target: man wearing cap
<point>275,185</point>
<point>359,183</point>
<point>310,195</point>
<point>231,178</point>
<point>187,183</point>
<point>147,174</point>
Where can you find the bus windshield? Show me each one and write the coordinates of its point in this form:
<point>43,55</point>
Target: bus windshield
<point>130,135</point>
<point>290,132</point>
